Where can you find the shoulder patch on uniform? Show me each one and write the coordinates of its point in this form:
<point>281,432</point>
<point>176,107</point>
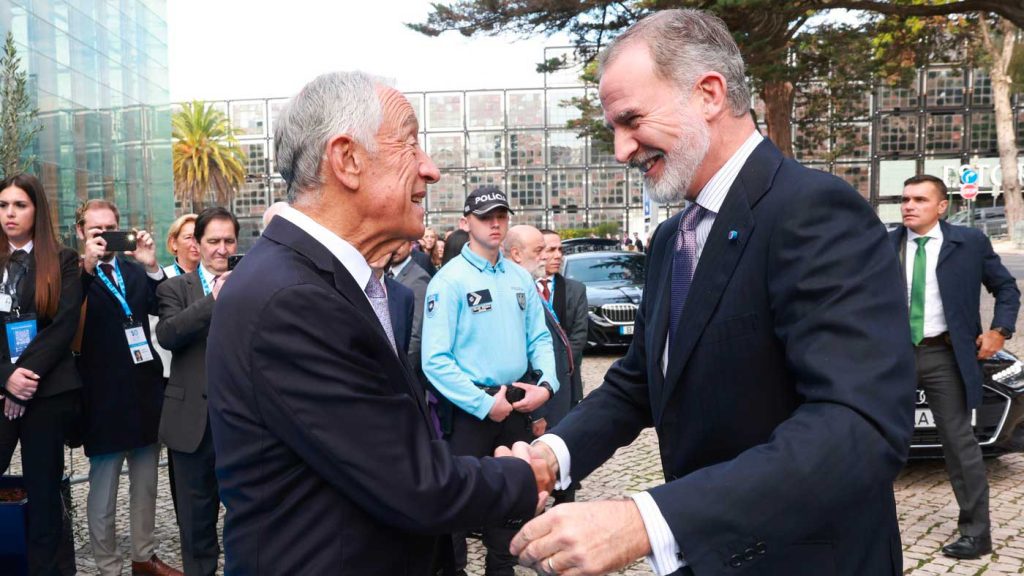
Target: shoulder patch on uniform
<point>432,304</point>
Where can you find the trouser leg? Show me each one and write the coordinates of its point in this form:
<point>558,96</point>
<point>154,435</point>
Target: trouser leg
<point>940,378</point>
<point>199,505</point>
<point>501,562</point>
<point>101,509</point>
<point>470,437</point>
<point>42,451</point>
<point>142,470</point>
<point>10,431</point>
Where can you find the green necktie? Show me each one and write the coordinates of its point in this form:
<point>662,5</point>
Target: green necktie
<point>917,292</point>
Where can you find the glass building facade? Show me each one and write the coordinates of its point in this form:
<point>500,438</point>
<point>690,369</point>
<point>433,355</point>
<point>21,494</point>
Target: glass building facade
<point>520,141</point>
<point>97,70</point>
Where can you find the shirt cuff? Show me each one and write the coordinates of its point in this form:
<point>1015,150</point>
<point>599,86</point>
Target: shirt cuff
<point>665,557</point>
<point>158,275</point>
<point>484,408</point>
<point>561,451</point>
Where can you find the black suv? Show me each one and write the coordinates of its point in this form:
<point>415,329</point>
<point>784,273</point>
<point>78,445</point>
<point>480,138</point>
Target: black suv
<point>615,284</point>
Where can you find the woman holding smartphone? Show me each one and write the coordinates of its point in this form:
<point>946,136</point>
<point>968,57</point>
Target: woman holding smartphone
<point>40,304</point>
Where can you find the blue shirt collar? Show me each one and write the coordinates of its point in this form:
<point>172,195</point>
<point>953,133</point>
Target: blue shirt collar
<point>481,263</point>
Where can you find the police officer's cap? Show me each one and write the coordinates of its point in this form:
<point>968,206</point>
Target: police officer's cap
<point>484,199</point>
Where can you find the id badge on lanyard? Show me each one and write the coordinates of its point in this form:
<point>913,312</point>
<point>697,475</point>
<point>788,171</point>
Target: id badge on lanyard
<point>138,345</point>
<point>21,330</point>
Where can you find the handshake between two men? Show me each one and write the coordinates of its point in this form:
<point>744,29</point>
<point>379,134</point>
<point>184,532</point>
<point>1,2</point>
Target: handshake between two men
<point>574,539</point>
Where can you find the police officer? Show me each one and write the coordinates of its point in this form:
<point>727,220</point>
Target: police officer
<point>484,323</point>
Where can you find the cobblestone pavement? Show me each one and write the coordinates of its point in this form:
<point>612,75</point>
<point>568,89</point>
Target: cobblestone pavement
<point>927,510</point>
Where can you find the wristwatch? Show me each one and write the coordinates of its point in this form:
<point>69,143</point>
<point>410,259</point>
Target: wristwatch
<point>1006,334</point>
<point>546,386</point>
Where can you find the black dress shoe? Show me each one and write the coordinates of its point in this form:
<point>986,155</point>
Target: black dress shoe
<point>969,547</point>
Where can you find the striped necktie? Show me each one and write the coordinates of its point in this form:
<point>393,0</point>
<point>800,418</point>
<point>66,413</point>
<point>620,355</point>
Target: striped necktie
<point>684,261</point>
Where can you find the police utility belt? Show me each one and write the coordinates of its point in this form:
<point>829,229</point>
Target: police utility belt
<point>512,393</point>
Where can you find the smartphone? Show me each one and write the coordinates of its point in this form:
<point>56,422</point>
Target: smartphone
<point>233,260</point>
<point>119,240</point>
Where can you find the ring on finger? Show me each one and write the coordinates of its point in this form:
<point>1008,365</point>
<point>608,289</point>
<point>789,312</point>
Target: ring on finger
<point>551,568</point>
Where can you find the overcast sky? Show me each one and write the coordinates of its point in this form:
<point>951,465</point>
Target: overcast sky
<point>233,49</point>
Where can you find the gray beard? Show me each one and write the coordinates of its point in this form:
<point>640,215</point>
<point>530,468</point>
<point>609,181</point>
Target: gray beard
<point>681,164</point>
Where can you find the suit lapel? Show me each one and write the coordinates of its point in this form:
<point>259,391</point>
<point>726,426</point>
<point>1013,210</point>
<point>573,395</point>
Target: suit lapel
<point>27,286</point>
<point>558,297</point>
<point>194,287</point>
<point>283,231</point>
<point>126,275</point>
<point>718,259</point>
<point>661,309</point>
<point>951,240</point>
<point>899,243</point>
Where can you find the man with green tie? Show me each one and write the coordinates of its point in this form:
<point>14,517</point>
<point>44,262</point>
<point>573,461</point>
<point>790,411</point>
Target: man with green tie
<point>945,267</point>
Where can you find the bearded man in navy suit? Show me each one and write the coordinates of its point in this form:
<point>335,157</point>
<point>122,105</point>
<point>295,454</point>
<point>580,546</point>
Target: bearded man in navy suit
<point>771,349</point>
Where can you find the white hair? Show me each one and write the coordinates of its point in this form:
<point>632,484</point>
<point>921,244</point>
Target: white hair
<point>332,104</point>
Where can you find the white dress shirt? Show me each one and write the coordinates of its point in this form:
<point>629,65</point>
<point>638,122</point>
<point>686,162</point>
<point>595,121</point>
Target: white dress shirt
<point>550,281</point>
<point>208,276</point>
<point>665,555</point>
<point>934,315</point>
<point>349,257</point>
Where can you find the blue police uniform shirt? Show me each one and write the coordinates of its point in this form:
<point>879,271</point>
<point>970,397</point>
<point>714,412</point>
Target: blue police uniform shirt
<point>481,322</point>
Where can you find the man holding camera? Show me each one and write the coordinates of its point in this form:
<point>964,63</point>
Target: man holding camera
<point>122,383</point>
<point>483,324</point>
<point>186,307</point>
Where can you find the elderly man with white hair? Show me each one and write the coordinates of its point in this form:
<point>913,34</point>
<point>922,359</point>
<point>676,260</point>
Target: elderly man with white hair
<point>327,458</point>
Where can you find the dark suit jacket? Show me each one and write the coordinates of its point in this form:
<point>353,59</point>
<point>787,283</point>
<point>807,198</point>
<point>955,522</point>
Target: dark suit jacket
<point>326,458</point>
<point>416,279</point>
<point>787,408</point>
<point>49,353</point>
<point>967,262</point>
<point>570,303</point>
<point>423,259</point>
<point>185,314</point>
<point>122,400</point>
<point>558,405</point>
<point>400,308</point>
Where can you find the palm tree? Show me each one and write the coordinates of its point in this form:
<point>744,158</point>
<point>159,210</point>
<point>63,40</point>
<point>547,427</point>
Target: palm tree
<point>206,155</point>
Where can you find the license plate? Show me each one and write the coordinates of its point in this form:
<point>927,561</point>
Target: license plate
<point>923,418</point>
<point>626,330</point>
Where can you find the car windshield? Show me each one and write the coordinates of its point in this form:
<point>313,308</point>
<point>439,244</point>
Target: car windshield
<point>611,268</point>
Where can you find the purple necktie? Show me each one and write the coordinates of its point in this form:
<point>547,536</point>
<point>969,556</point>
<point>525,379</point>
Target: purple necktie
<point>684,260</point>
<point>379,301</point>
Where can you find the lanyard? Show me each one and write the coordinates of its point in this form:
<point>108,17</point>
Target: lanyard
<point>202,279</point>
<point>115,289</point>
<point>178,268</point>
<point>550,309</point>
